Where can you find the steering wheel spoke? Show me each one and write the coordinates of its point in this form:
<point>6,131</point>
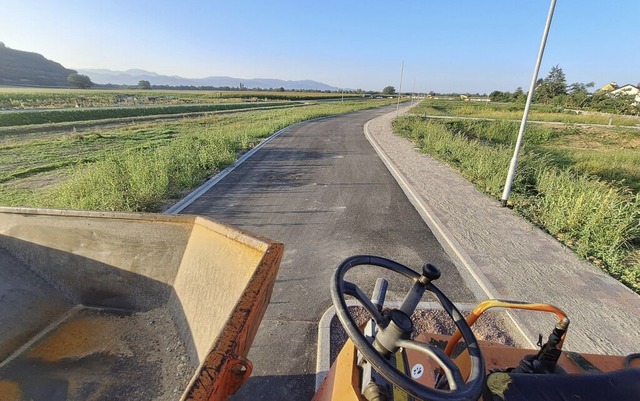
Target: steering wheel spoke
<point>355,291</point>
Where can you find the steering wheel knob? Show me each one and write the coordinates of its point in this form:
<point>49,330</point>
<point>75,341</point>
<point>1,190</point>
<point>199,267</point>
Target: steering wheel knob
<point>431,272</point>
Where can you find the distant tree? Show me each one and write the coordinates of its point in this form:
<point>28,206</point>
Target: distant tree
<point>607,102</point>
<point>578,87</point>
<point>557,81</point>
<point>578,95</point>
<point>144,84</point>
<point>389,90</point>
<point>498,96</point>
<point>553,86</point>
<point>519,95</point>
<point>281,89</point>
<point>80,81</point>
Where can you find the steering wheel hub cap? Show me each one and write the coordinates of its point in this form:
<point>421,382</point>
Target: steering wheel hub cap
<point>399,327</point>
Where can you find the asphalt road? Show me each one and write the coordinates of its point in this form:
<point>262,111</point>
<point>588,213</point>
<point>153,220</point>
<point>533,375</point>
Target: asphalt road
<point>320,189</point>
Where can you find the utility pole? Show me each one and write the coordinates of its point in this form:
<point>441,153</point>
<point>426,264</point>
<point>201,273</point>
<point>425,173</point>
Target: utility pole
<point>400,90</point>
<point>413,92</point>
<point>523,123</point>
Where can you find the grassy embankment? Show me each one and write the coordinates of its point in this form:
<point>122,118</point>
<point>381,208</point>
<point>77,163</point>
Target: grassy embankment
<point>139,168</point>
<point>581,184</point>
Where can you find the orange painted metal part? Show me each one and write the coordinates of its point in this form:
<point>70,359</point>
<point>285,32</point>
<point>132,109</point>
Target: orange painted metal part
<point>497,303</point>
<point>343,380</point>
<point>500,357</point>
<point>219,376</point>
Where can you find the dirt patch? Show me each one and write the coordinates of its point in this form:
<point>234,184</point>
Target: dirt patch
<point>103,355</point>
<point>493,326</point>
<point>602,138</point>
<point>39,181</point>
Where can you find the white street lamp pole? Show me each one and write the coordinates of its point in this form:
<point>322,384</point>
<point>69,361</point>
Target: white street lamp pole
<point>523,124</point>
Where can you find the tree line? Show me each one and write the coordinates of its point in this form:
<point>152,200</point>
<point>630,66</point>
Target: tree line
<point>554,91</point>
<point>84,82</point>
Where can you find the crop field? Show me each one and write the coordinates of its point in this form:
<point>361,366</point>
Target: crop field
<point>581,183</point>
<point>139,167</point>
<point>27,98</point>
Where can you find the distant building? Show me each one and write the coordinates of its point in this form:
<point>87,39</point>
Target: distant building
<point>628,90</point>
<point>608,87</point>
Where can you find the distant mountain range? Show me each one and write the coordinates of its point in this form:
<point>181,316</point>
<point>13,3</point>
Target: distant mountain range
<point>132,77</point>
<point>20,68</point>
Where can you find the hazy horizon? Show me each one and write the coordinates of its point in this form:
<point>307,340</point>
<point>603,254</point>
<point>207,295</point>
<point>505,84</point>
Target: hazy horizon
<point>466,46</point>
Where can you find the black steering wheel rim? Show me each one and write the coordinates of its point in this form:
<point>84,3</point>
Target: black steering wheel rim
<point>470,390</point>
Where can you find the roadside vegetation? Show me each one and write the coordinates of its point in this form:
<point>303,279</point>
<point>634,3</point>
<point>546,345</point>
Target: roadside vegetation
<point>553,91</point>
<point>513,111</point>
<point>143,167</point>
<point>579,183</point>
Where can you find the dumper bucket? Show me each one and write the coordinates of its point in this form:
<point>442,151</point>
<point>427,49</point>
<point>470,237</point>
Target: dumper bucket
<point>116,306</point>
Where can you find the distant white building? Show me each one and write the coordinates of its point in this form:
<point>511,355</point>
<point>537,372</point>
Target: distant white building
<point>628,90</point>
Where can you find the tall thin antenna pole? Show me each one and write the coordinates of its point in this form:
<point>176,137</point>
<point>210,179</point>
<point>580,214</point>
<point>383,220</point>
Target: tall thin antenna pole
<point>413,92</point>
<point>523,123</point>
<point>400,90</point>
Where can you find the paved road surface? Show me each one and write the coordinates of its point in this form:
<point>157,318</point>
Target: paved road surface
<point>320,189</point>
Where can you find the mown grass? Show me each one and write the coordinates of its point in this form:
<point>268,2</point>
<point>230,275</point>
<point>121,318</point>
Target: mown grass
<point>22,158</point>
<point>143,168</point>
<point>597,216</point>
<point>8,119</point>
<point>511,111</point>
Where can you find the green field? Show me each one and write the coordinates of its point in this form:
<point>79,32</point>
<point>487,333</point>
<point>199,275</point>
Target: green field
<point>580,183</point>
<point>17,118</point>
<point>28,98</point>
<point>513,111</point>
<point>140,167</point>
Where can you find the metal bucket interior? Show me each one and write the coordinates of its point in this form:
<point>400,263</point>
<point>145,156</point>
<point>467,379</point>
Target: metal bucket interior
<point>113,306</point>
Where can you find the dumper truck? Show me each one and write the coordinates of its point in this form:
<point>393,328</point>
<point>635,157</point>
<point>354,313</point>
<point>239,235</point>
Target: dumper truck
<point>117,306</point>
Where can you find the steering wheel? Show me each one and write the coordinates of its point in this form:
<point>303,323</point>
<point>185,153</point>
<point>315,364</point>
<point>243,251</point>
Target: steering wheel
<point>395,328</point>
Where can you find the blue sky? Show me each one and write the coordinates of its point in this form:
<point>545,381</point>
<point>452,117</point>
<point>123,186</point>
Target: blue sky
<point>447,46</point>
